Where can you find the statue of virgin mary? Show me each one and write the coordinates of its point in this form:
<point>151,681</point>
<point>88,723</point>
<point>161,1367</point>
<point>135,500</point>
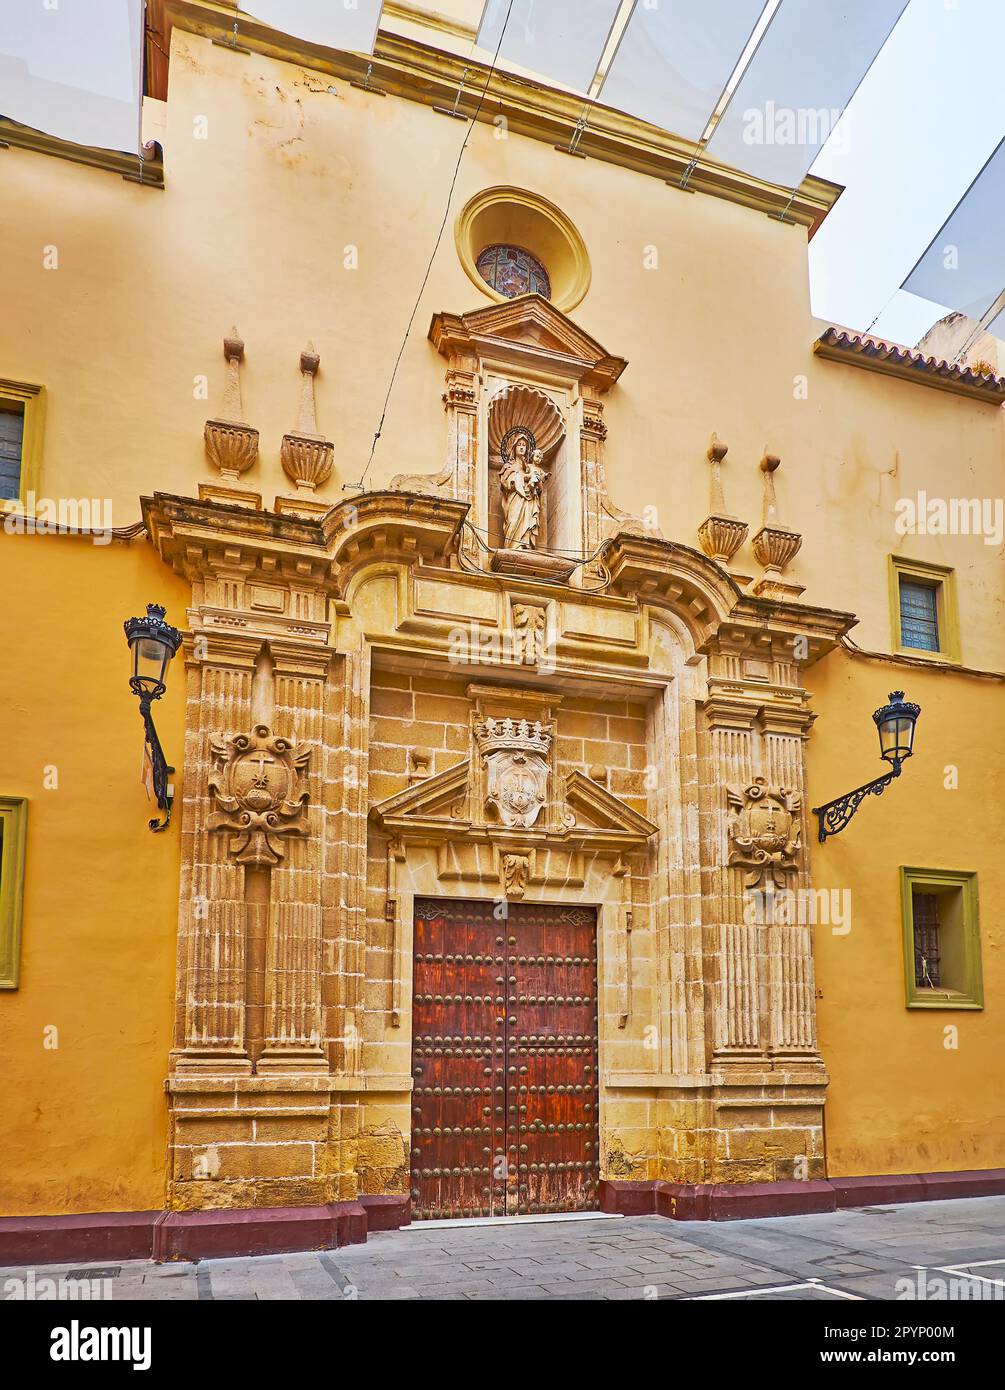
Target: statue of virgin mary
<point>522,480</point>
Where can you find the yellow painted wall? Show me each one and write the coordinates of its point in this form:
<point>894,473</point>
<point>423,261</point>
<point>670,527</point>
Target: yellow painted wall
<point>900,1099</point>
<point>252,228</point>
<point>83,1125</point>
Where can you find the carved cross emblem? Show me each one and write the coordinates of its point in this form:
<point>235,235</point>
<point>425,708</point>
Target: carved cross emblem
<point>764,831</point>
<point>257,786</point>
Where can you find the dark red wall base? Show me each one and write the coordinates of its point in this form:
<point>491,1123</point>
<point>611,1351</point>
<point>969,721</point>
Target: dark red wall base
<point>739,1201</point>
<point>109,1237</point>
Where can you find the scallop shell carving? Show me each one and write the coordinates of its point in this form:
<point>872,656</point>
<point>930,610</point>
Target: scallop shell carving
<point>530,408</point>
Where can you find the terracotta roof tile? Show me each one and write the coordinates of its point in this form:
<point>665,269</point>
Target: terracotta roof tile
<point>895,360</point>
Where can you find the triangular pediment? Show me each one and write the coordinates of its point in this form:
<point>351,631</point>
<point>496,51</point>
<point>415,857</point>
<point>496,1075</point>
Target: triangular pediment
<point>528,326</point>
<point>435,799</point>
<point>602,809</point>
<point>438,807</point>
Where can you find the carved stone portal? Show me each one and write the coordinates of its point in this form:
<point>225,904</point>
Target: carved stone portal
<point>764,831</point>
<point>516,765</point>
<point>257,785</point>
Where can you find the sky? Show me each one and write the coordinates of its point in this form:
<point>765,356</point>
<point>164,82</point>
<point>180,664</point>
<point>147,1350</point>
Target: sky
<point>925,119</point>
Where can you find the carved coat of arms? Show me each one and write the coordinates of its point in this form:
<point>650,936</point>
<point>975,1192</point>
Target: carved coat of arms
<point>516,769</point>
<point>764,831</point>
<point>258,788</point>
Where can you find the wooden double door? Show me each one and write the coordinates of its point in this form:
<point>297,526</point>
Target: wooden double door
<point>504,1060</point>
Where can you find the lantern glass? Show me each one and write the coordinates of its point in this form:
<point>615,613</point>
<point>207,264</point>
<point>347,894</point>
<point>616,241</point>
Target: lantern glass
<point>895,723</point>
<point>152,644</point>
<point>150,658</point>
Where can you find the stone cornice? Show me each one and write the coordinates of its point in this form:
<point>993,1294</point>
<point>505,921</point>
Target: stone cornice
<point>147,170</point>
<point>197,536</point>
<point>712,604</point>
<point>429,75</point>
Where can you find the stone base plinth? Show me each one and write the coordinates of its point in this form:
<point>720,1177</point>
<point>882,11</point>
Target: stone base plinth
<point>274,1140</point>
<point>532,564</point>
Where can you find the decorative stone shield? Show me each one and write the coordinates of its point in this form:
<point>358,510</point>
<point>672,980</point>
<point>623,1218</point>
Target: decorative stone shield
<point>516,767</point>
<point>257,785</point>
<point>764,831</point>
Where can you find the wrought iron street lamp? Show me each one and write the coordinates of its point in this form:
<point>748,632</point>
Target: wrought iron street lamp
<point>152,644</point>
<point>895,723</point>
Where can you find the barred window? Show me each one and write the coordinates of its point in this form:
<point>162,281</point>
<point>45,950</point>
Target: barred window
<point>942,946</point>
<point>926,939</point>
<point>512,271</point>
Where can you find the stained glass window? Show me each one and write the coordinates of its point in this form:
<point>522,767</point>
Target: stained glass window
<point>511,270</point>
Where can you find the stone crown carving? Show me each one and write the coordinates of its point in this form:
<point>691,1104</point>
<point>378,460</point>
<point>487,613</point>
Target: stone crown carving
<point>775,544</point>
<point>513,736</point>
<point>721,534</point>
<point>305,453</point>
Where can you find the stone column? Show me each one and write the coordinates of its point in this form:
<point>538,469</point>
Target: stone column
<point>735,967</point>
<point>293,1032</point>
<point>212,931</point>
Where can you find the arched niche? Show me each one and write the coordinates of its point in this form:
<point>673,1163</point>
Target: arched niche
<point>520,410</point>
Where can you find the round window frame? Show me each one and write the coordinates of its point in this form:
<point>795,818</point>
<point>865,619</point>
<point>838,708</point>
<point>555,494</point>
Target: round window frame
<point>541,270</point>
<point>526,220</point>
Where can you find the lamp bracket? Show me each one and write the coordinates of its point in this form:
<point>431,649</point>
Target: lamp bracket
<point>835,815</point>
<point>149,690</point>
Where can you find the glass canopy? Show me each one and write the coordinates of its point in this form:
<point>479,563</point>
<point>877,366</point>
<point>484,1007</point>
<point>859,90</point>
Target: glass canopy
<point>351,27</point>
<point>673,62</point>
<point>963,267</point>
<point>73,70</point>
<point>563,40</point>
<point>805,70</point>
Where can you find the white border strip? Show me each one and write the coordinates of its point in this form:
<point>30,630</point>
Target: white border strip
<point>778,1288</point>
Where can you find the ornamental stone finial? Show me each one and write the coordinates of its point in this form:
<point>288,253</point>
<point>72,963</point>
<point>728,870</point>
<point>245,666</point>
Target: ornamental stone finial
<point>775,544</point>
<point>306,455</point>
<point>720,534</point>
<point>231,445</point>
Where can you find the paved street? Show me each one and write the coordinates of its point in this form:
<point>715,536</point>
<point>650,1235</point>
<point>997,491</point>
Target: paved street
<point>847,1255</point>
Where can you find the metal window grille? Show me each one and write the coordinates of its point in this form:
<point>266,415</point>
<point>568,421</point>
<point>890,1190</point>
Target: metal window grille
<point>926,939</point>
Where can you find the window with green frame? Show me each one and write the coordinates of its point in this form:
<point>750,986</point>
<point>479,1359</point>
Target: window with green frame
<point>942,945</point>
<point>13,826</point>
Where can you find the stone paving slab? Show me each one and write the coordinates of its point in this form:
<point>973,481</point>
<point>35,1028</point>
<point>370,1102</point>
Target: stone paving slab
<point>861,1253</point>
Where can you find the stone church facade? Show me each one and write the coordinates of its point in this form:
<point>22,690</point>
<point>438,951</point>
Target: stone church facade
<point>496,740</point>
<point>462,725</point>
